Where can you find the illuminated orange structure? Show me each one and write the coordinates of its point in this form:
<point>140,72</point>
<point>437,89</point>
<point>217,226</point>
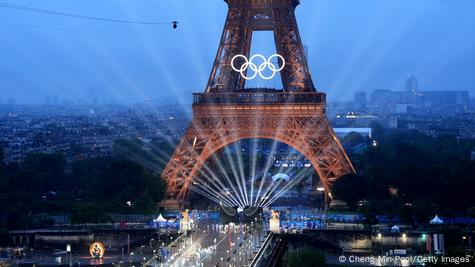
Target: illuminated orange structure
<point>227,111</point>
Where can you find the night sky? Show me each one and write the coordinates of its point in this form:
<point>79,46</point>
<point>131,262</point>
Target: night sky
<point>353,45</point>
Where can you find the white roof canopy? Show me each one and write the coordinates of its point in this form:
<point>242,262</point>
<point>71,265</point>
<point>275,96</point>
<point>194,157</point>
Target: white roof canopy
<point>395,229</point>
<point>278,176</point>
<point>160,219</point>
<point>436,220</point>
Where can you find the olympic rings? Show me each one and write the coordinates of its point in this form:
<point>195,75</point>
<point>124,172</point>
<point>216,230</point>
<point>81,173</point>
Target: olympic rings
<point>257,69</point>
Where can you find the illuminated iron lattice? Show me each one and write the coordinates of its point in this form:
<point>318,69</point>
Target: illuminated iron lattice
<point>227,112</point>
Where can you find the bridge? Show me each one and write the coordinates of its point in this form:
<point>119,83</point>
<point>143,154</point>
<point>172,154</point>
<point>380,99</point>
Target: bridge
<point>214,245</point>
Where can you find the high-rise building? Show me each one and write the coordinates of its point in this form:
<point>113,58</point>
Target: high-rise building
<point>422,101</point>
<point>412,84</point>
<point>445,99</point>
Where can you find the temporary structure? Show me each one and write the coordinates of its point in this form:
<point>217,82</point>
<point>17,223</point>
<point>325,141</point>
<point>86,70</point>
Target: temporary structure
<point>395,229</point>
<point>436,220</point>
<point>160,219</point>
<point>282,176</point>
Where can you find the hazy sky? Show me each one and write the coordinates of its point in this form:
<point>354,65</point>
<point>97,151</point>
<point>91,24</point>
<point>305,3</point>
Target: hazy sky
<point>353,45</point>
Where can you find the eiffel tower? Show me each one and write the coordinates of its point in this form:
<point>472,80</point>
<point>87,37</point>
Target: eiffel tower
<point>227,111</point>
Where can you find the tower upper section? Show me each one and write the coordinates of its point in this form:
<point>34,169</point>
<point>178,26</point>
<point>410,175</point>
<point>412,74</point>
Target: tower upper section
<point>243,18</point>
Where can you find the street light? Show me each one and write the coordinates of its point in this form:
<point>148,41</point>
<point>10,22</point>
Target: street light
<point>68,251</point>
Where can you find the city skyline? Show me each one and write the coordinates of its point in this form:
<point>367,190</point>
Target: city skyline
<point>78,59</point>
<point>286,133</point>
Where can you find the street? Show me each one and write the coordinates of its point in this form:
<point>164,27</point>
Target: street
<point>214,245</point>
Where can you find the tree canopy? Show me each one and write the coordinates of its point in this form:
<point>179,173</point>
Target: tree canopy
<point>84,191</point>
<point>412,175</point>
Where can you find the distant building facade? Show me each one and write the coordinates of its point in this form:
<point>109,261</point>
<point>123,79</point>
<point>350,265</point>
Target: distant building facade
<point>412,84</point>
<point>360,101</point>
<point>435,102</point>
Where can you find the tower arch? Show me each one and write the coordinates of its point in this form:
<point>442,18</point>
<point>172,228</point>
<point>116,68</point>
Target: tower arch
<point>214,127</point>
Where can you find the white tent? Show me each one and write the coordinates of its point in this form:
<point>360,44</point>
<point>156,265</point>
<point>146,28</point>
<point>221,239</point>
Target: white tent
<point>160,219</point>
<point>395,229</point>
<point>436,220</point>
<point>278,176</point>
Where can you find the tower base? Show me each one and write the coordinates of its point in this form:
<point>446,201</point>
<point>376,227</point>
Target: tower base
<point>296,119</point>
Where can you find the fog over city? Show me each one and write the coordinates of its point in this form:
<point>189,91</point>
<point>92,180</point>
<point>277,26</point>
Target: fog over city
<point>352,46</point>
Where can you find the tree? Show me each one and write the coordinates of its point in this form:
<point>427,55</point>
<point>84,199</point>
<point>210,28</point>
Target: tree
<point>350,188</point>
<point>47,163</point>
<point>352,139</point>
<point>50,167</point>
<point>157,188</point>
<point>88,213</point>
<point>41,186</point>
<point>423,210</point>
<point>4,237</point>
<point>377,129</point>
<point>145,204</point>
<point>369,213</point>
<point>471,212</point>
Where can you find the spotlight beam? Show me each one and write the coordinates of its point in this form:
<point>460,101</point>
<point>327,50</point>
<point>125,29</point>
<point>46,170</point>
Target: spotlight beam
<point>241,170</point>
<point>253,167</point>
<point>213,193</point>
<point>207,195</point>
<point>285,189</point>
<point>235,175</point>
<point>272,187</point>
<point>215,181</point>
<point>228,180</point>
<point>267,167</point>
